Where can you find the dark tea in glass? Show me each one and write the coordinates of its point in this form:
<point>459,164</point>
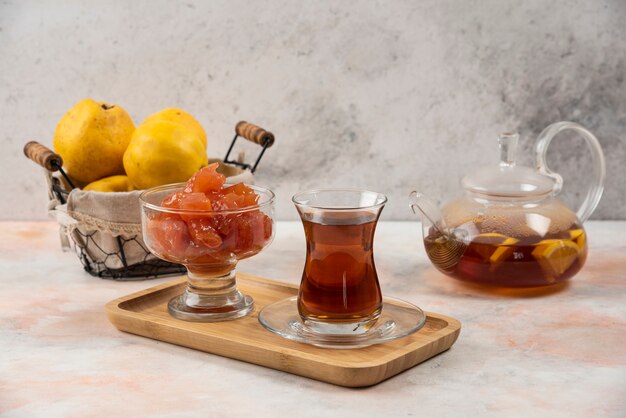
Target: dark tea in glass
<point>339,292</point>
<point>339,278</point>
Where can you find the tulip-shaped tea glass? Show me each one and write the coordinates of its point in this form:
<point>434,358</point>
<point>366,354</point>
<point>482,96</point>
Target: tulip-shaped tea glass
<point>209,243</point>
<point>339,303</point>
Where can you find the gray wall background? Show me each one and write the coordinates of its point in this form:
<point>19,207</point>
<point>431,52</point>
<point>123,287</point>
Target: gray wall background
<point>385,95</point>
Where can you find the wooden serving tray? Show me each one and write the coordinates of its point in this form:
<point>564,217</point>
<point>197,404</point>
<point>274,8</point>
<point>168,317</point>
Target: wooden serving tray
<point>145,313</point>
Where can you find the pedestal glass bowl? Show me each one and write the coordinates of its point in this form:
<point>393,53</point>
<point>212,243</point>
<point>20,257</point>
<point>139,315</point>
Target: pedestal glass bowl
<point>209,243</point>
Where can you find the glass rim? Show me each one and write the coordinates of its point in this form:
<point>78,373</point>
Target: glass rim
<point>146,204</point>
<point>382,197</point>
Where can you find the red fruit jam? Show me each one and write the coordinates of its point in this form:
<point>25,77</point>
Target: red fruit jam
<point>208,236</point>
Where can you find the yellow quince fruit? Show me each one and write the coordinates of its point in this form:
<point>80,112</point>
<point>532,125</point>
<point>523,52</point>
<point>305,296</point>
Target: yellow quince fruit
<point>91,138</point>
<point>119,183</point>
<point>163,152</point>
<point>179,116</point>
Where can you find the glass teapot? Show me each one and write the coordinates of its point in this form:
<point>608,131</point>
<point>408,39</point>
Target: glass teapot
<point>509,229</point>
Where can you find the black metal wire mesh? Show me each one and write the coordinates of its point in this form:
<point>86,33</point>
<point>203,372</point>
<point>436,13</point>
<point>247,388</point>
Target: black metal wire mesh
<point>98,262</point>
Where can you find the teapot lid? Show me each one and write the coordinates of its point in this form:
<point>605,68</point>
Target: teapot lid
<point>507,179</point>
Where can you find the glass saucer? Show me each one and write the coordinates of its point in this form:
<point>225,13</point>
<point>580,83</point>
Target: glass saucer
<point>397,319</point>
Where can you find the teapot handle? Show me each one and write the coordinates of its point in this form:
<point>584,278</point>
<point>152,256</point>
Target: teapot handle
<point>598,171</point>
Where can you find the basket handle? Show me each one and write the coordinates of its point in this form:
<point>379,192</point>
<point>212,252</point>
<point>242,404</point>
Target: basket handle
<point>254,133</point>
<point>43,156</point>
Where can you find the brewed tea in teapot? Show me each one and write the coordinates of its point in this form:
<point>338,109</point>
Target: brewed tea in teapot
<point>509,229</point>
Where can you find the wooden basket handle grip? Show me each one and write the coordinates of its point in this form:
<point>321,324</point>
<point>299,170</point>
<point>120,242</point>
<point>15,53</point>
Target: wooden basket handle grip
<point>254,133</point>
<point>43,156</point>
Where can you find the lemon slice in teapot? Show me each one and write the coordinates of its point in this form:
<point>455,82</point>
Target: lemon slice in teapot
<point>494,247</point>
<point>579,237</point>
<point>555,256</point>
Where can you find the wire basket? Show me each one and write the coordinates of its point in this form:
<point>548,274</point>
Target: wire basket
<point>98,262</point>
<point>104,229</point>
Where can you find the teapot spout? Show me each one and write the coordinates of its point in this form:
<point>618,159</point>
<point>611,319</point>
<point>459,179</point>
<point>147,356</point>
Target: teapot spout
<point>428,212</point>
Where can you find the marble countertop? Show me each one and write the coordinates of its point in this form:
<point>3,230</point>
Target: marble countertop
<point>551,353</point>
